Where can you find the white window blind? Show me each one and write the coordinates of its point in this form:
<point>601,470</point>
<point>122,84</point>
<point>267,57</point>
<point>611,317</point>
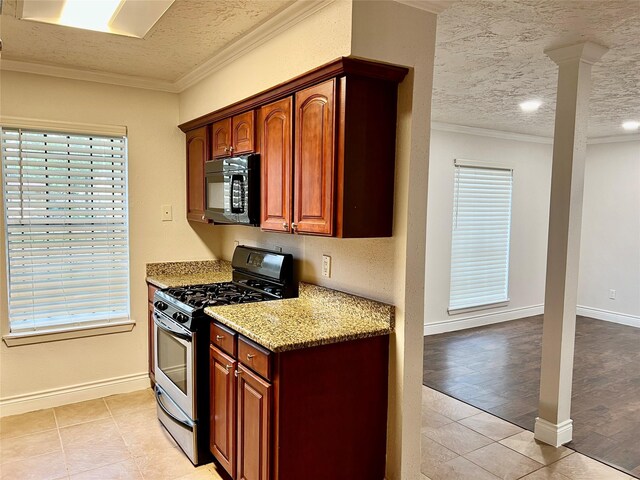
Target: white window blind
<point>65,207</point>
<point>480,240</point>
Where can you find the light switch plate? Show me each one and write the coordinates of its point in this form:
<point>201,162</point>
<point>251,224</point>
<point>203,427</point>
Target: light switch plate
<point>167,213</point>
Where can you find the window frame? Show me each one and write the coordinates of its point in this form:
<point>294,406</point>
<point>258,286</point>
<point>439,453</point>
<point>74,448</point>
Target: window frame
<point>67,331</point>
<point>493,165</point>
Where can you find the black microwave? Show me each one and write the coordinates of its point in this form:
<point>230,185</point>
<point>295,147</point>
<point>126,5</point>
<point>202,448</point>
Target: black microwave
<point>232,191</point>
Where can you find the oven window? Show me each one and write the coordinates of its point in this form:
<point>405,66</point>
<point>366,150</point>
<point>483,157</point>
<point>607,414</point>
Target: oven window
<point>172,359</point>
<point>215,195</point>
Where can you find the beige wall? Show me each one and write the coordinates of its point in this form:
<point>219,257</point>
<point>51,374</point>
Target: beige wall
<point>156,177</point>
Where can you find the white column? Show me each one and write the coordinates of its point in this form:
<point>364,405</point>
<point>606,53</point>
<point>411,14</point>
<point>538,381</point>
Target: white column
<point>554,425</point>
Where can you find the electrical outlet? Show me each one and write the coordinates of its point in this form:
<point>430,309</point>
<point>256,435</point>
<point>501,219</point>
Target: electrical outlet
<point>277,248</point>
<point>326,266</point>
<point>167,213</point>
<point>236,243</point>
<point>612,294</point>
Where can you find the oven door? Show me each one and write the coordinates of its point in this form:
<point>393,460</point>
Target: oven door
<point>174,358</point>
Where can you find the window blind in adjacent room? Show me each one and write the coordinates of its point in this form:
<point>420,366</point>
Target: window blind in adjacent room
<point>66,229</point>
<point>480,240</point>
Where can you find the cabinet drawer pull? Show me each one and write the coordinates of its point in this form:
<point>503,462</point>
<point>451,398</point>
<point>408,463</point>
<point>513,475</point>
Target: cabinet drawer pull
<point>227,368</point>
<point>285,225</point>
<point>250,356</point>
<point>294,225</point>
<point>238,373</point>
<point>219,337</point>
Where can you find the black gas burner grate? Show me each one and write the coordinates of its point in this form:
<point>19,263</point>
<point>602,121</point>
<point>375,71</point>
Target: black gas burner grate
<point>218,294</point>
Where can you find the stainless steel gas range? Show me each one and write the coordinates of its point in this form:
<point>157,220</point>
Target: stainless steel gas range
<point>181,340</point>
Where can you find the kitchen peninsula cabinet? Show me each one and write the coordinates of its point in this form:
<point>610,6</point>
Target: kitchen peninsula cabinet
<point>197,150</point>
<point>327,143</point>
<point>315,413</point>
<point>233,135</point>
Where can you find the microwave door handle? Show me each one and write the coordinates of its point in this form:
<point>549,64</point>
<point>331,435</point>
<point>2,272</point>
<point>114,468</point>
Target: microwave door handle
<point>170,331</point>
<point>186,423</point>
<point>237,202</point>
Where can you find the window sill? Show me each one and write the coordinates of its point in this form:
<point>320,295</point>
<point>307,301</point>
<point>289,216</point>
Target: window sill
<point>458,311</point>
<point>53,335</point>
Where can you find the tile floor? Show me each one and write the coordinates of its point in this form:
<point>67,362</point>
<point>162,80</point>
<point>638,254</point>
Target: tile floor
<point>112,438</point>
<point>119,438</point>
<point>461,442</point>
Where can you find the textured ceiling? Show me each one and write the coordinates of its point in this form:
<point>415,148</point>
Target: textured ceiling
<point>489,57</point>
<point>189,33</point>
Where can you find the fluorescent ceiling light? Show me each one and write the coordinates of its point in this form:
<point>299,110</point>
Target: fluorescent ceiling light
<point>132,18</point>
<point>530,105</point>
<point>631,125</point>
<point>89,14</point>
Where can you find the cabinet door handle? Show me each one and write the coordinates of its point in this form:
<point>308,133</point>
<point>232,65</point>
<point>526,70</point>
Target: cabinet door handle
<point>285,225</point>
<point>294,225</point>
<point>226,149</point>
<point>250,356</point>
<point>203,217</point>
<point>227,368</point>
<point>219,337</point>
<point>230,149</point>
<point>238,373</point>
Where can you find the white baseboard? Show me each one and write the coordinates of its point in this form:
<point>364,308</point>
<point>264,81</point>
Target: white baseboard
<point>609,316</point>
<point>479,320</point>
<point>553,434</point>
<point>72,394</point>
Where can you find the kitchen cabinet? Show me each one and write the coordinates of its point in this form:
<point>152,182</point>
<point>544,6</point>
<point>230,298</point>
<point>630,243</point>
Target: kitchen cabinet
<point>151,290</point>
<point>314,413</point>
<point>335,175</point>
<point>275,127</point>
<point>234,135</point>
<point>197,150</point>
<point>222,404</point>
<point>314,160</point>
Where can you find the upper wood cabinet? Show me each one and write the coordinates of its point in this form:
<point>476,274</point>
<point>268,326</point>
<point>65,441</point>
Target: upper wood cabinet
<point>197,149</point>
<point>275,127</point>
<point>233,135</point>
<point>314,160</point>
<point>327,142</point>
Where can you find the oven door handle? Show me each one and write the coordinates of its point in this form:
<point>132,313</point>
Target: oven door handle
<point>186,423</point>
<point>162,326</point>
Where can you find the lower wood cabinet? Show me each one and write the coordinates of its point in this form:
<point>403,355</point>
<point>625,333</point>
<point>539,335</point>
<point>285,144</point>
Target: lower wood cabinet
<point>315,413</point>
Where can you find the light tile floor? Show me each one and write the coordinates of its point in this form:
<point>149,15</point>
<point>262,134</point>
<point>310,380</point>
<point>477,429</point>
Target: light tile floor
<point>119,438</point>
<point>460,442</point>
<point>112,438</point>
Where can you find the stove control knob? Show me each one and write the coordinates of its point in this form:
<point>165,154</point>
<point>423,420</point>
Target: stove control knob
<point>160,305</point>
<point>180,317</point>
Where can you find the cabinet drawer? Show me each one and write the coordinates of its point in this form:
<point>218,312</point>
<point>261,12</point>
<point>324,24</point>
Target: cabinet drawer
<point>151,290</point>
<point>255,357</point>
<point>224,338</point>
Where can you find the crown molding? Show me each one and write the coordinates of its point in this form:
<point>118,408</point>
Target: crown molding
<point>629,137</point>
<point>283,20</point>
<point>275,25</point>
<point>88,75</point>
<point>432,6</point>
<point>487,132</point>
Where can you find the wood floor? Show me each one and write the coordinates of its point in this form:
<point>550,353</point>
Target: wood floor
<point>497,369</point>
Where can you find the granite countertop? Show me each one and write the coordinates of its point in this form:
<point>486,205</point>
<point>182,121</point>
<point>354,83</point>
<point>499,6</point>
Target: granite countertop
<point>319,316</point>
<point>179,274</point>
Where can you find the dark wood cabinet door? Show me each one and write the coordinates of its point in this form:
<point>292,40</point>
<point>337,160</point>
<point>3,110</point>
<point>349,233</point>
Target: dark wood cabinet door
<point>222,409</point>
<point>243,133</point>
<point>314,159</point>
<point>197,149</point>
<point>221,138</point>
<point>254,426</point>
<point>275,163</point>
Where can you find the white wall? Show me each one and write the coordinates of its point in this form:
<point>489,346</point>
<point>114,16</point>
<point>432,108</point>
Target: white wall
<point>156,176</point>
<point>531,163</point>
<point>610,246</point>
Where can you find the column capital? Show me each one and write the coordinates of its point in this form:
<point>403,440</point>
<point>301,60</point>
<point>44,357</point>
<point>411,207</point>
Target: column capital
<point>587,52</point>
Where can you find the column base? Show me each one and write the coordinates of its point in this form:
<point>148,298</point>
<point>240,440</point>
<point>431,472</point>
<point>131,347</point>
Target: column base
<point>553,434</point>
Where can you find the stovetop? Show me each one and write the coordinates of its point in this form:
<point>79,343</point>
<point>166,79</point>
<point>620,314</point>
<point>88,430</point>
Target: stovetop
<point>227,293</point>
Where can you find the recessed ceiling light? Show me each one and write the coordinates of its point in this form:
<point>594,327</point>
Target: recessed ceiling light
<point>631,125</point>
<point>530,105</point>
